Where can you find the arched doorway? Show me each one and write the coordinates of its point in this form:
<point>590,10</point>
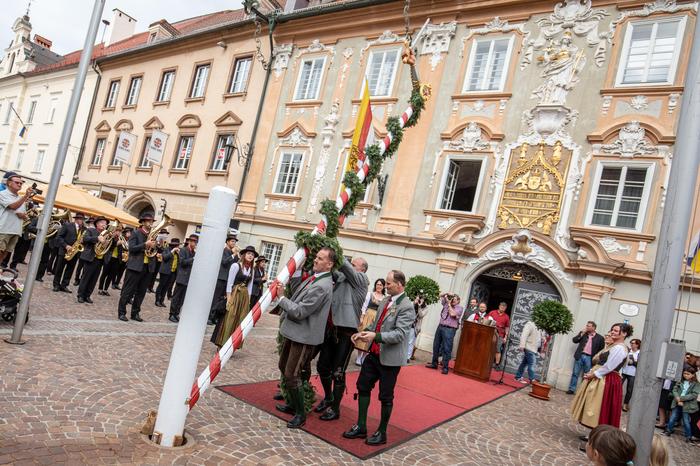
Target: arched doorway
<point>521,287</point>
<point>139,204</point>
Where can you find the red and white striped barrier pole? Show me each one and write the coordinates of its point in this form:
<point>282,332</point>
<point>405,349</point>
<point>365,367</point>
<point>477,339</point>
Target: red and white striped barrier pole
<point>234,342</point>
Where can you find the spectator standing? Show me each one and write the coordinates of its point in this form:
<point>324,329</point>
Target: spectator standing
<point>12,212</point>
<point>479,315</point>
<point>630,371</point>
<point>502,328</point>
<point>369,309</point>
<point>685,403</point>
<point>530,340</point>
<point>420,307</point>
<point>259,279</point>
<point>450,317</point>
<point>589,343</point>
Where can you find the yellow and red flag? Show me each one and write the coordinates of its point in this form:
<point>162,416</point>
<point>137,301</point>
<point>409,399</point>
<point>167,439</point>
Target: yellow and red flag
<point>363,135</point>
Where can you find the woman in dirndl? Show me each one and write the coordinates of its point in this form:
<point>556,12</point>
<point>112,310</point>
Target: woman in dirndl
<point>239,287</point>
<point>599,399</point>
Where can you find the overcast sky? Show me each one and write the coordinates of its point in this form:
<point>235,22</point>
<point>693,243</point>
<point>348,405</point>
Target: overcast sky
<point>65,22</point>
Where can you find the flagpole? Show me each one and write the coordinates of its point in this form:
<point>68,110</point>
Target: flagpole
<point>668,263</point>
<point>52,189</point>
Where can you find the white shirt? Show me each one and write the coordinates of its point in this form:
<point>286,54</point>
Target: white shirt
<point>628,369</point>
<point>10,223</point>
<point>233,271</point>
<point>616,355</point>
<point>472,318</point>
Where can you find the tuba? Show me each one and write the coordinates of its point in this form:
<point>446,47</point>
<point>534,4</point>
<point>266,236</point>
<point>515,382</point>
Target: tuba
<point>122,241</point>
<point>102,247</point>
<point>56,219</point>
<point>31,215</point>
<point>75,247</point>
<point>153,234</point>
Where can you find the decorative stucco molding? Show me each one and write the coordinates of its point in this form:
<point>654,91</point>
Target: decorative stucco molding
<point>611,245</point>
<point>631,141</point>
<point>495,25</point>
<point>328,132</point>
<point>295,138</point>
<point>522,249</point>
<point>387,37</point>
<point>472,140</point>
<point>436,41</point>
<point>281,53</point>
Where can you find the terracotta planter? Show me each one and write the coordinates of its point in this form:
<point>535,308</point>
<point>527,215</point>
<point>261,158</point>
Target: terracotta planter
<point>540,391</point>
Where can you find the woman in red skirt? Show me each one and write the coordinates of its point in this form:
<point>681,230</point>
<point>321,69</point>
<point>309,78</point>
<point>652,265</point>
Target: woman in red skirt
<point>600,400</point>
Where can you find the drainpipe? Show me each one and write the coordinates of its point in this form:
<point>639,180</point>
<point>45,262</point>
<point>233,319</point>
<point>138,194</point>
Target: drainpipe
<point>271,23</point>
<point>89,122</point>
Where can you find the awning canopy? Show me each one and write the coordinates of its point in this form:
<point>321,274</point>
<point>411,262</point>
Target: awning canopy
<point>79,200</point>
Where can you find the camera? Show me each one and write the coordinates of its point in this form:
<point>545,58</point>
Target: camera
<point>37,190</point>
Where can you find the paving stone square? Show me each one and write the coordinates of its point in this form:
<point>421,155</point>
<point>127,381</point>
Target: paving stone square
<point>78,392</point>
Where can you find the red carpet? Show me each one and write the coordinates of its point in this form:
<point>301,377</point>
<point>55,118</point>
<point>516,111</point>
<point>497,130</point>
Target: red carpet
<point>423,399</point>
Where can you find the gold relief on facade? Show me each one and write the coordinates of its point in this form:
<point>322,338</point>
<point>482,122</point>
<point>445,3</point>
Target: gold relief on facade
<point>534,187</point>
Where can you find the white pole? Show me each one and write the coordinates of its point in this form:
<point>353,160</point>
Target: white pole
<point>173,409</point>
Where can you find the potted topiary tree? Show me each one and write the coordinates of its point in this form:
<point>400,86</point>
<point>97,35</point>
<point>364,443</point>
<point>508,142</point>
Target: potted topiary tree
<point>553,318</point>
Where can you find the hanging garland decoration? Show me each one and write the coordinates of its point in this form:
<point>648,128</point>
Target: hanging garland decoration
<point>325,233</point>
<point>375,157</point>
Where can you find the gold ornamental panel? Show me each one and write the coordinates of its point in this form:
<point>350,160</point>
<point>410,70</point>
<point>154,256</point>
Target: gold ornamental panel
<point>534,187</point>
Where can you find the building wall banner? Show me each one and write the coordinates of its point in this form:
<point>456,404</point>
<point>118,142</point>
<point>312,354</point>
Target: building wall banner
<point>125,146</point>
<point>156,147</point>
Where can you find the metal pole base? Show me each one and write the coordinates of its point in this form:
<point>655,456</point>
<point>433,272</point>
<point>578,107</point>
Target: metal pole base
<point>10,342</point>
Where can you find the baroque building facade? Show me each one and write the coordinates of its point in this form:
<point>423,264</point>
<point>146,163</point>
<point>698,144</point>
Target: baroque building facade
<point>35,88</point>
<point>538,169</point>
<point>195,80</point>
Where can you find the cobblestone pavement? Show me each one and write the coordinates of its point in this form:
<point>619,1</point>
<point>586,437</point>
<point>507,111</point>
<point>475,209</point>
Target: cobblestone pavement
<point>78,390</point>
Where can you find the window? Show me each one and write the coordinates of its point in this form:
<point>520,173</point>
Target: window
<point>134,87</point>
<point>115,162</point>
<point>8,113</point>
<point>381,71</point>
<point>52,110</point>
<point>39,162</point>
<point>112,94</point>
<point>166,86</point>
<point>650,52</point>
<point>488,63</point>
<point>288,173</point>
<point>99,151</point>
<point>273,252</point>
<point>143,161</point>
<point>32,110</point>
<point>20,157</point>
<point>460,185</point>
<point>309,81</point>
<point>241,71</point>
<point>184,152</point>
<point>199,83</point>
<point>219,161</point>
<point>621,191</point>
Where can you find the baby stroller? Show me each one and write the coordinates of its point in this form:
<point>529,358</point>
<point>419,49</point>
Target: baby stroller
<point>10,294</point>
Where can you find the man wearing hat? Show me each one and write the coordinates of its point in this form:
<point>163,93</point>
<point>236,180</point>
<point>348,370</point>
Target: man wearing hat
<point>259,279</point>
<point>137,268</point>
<point>66,239</point>
<point>167,270</point>
<point>161,243</point>
<point>110,262</point>
<point>91,262</point>
<point>218,302</point>
<point>183,277</point>
<point>12,212</point>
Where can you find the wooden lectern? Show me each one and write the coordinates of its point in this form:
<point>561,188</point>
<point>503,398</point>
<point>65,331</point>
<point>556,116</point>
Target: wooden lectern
<point>476,351</point>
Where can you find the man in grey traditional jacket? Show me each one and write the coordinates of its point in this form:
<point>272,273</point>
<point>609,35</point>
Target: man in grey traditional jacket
<point>304,321</point>
<point>388,336</point>
<point>349,292</point>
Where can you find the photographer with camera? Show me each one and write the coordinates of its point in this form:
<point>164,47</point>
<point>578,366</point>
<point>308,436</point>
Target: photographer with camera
<point>450,317</point>
<point>12,212</point>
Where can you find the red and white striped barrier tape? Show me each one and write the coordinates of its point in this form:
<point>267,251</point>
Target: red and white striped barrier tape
<point>234,342</point>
